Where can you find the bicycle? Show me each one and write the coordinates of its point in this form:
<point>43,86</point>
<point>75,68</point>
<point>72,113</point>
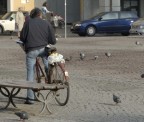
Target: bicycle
<point>56,74</point>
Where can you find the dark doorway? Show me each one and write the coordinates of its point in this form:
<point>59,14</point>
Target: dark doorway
<point>130,5</point>
<point>3,6</point>
<point>73,9</point>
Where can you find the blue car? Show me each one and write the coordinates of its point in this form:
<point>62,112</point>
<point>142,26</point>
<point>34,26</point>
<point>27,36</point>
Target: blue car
<point>106,22</point>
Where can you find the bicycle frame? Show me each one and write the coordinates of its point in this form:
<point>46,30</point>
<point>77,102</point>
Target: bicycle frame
<point>39,72</point>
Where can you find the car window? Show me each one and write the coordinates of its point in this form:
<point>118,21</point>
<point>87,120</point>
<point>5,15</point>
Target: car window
<point>13,15</point>
<point>127,15</point>
<point>97,16</point>
<point>110,16</point>
<point>6,16</point>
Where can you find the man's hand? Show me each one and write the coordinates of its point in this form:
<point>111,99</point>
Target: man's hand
<point>49,45</point>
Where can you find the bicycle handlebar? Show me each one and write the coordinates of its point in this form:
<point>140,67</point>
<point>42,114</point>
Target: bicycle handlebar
<point>21,44</point>
<point>48,49</point>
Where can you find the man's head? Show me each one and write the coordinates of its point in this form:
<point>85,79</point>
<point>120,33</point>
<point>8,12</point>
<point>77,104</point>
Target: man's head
<point>36,12</point>
<point>45,4</point>
<point>20,9</point>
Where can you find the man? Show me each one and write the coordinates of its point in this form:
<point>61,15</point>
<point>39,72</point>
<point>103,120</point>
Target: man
<point>20,19</point>
<point>36,34</point>
<point>46,12</point>
<point>44,8</point>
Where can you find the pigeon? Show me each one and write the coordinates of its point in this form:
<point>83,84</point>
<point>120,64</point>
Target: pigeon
<point>82,56</point>
<point>142,75</point>
<point>68,58</point>
<point>23,115</point>
<point>116,99</point>
<point>108,54</point>
<point>95,57</point>
<point>58,36</point>
<point>138,43</point>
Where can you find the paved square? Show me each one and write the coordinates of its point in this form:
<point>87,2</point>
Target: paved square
<point>93,81</point>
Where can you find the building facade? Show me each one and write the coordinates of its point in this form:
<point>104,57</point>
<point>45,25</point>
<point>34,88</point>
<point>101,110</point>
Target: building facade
<point>83,9</point>
<point>13,5</point>
<point>38,3</point>
<point>76,9</point>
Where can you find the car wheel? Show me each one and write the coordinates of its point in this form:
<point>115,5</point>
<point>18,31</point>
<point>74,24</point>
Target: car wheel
<point>91,30</point>
<point>1,30</point>
<point>125,34</point>
<point>140,33</point>
<point>82,34</point>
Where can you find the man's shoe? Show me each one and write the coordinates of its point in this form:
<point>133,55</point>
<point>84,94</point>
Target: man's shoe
<point>28,102</point>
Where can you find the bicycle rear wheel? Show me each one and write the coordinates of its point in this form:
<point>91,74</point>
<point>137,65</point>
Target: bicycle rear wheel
<point>57,76</point>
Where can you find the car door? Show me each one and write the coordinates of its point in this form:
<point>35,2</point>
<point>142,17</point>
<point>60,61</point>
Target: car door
<point>10,23</point>
<point>108,22</point>
<point>126,19</point>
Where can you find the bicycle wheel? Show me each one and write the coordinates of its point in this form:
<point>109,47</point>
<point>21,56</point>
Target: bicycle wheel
<point>57,76</point>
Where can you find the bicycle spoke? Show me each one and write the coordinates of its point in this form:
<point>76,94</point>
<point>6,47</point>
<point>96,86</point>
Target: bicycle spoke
<point>58,77</point>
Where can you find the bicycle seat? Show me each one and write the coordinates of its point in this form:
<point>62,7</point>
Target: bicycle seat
<point>50,50</point>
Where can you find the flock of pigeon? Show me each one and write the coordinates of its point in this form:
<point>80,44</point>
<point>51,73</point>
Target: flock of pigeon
<point>108,54</point>
<point>83,56</point>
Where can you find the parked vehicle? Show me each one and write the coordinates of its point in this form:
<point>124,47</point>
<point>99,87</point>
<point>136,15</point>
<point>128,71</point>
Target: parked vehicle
<point>7,22</point>
<point>138,27</point>
<point>105,22</point>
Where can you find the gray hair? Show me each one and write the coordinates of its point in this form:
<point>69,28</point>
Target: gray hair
<point>35,12</point>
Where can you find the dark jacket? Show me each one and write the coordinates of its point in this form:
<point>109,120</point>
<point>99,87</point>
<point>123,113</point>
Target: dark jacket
<point>36,34</point>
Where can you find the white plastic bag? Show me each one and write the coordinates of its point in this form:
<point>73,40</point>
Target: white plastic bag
<point>55,57</point>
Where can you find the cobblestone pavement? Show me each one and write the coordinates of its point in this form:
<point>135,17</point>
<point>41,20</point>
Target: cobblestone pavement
<point>92,82</point>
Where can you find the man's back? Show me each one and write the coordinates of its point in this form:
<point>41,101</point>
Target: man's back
<point>37,33</point>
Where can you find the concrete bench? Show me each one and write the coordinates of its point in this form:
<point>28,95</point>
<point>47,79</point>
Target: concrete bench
<point>16,86</point>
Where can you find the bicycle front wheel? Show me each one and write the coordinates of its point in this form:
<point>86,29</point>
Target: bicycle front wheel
<point>57,76</point>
